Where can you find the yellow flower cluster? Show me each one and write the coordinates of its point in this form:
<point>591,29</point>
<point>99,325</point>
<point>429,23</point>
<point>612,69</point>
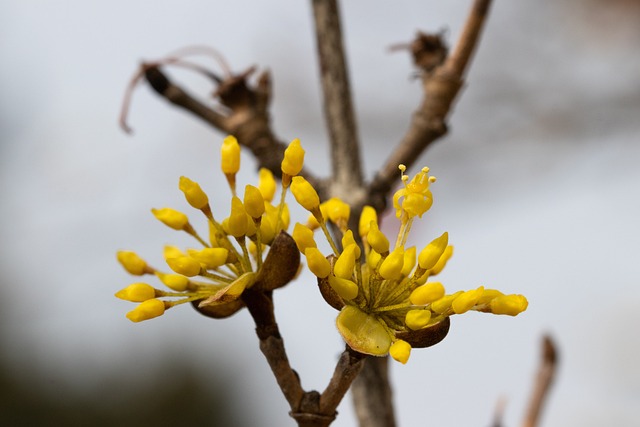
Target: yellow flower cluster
<point>234,256</point>
<point>387,302</point>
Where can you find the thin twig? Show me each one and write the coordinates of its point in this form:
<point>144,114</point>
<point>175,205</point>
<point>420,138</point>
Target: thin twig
<point>338,108</point>
<point>544,380</point>
<point>441,87</point>
<point>347,369</point>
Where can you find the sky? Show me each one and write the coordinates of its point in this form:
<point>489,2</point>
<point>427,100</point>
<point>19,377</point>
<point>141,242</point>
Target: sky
<point>537,186</point>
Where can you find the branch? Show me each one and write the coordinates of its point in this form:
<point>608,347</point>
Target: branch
<point>338,109</point>
<point>441,84</point>
<point>371,390</point>
<point>544,379</point>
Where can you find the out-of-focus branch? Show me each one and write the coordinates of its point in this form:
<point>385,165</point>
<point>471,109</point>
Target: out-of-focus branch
<point>441,84</point>
<point>338,107</point>
<point>371,390</point>
<point>543,382</point>
<point>246,114</point>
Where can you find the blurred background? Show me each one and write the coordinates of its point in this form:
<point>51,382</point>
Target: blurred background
<point>538,186</point>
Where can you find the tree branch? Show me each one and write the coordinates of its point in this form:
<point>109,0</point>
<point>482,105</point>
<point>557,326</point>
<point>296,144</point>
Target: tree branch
<point>544,380</point>
<point>338,109</point>
<point>441,84</point>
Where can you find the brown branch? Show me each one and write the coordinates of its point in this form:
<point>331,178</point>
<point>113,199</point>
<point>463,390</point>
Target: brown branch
<point>340,118</point>
<point>346,371</point>
<point>544,380</point>
<point>371,390</point>
<point>441,85</point>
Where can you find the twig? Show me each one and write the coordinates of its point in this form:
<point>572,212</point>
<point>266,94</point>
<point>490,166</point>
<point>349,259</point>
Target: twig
<point>441,86</point>
<point>544,380</point>
<point>339,114</point>
<point>370,392</point>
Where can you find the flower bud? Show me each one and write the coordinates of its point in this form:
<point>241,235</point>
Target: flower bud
<point>345,288</point>
<point>237,221</point>
<point>305,194</point>
<point>444,303</point>
<point>337,210</point>
<point>193,193</point>
<point>176,282</point>
<point>442,262</point>
<point>184,265</point>
<point>347,240</point>
<point>427,293</point>
<point>253,201</point>
<point>230,155</point>
<point>137,292</point>
<point>465,301</point>
<point>210,258</point>
<point>368,214</point>
<point>377,240</point>
<point>318,264</point>
<point>303,236</point>
<point>293,158</point>
<point>171,218</point>
<point>511,305</point>
<point>430,255</point>
<point>391,267</point>
<point>417,319</point>
<point>132,262</point>
<point>409,260</point>
<point>146,310</point>
<point>266,184</point>
<point>400,351</point>
<point>170,251</point>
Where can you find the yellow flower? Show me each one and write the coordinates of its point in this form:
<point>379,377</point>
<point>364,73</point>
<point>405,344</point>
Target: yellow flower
<point>387,303</point>
<point>249,249</point>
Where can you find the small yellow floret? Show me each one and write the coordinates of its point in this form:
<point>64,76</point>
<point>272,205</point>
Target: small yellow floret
<point>266,184</point>
<point>137,292</point>
<point>171,218</point>
<point>431,253</point>
<point>132,262</point>
<point>442,262</point>
<point>237,221</point>
<point>345,288</point>
<point>427,293</point>
<point>511,305</point>
<point>184,265</point>
<point>230,155</point>
<point>170,251</point>
<point>318,264</point>
<point>376,239</point>
<point>409,260</point>
<point>347,239</point>
<point>337,210</point>
<point>210,258</point>
<point>345,263</point>
<point>305,194</point>
<point>193,193</point>
<point>253,201</point>
<point>146,310</point>
<point>400,351</point>
<point>293,158</point>
<point>368,214</point>
<point>417,319</point>
<point>465,301</point>
<point>176,282</point>
<point>303,236</point>
<point>444,303</point>
<point>391,267</point>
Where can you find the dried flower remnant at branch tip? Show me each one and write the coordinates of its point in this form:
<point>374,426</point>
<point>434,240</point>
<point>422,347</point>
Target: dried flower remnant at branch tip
<point>249,249</point>
<point>387,302</point>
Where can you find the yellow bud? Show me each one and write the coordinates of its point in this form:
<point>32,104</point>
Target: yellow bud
<point>266,184</point>
<point>346,289</point>
<point>237,221</point>
<point>137,292</point>
<point>417,319</point>
<point>347,239</point>
<point>146,310</point>
<point>337,210</point>
<point>313,223</point>
<point>305,194</point>
<point>467,300</point>
<point>431,253</point>
<point>171,218</point>
<point>193,193</point>
<point>368,214</point>
<point>345,263</point>
<point>400,351</point>
<point>409,260</point>
<point>488,295</point>
<point>268,229</point>
<point>377,240</point>
<point>174,281</point>
<point>251,226</point>
<point>391,267</point>
<point>427,293</point>
<point>373,259</point>
<point>318,264</point>
<point>230,155</point>
<point>303,237</point>
<point>253,201</point>
<point>444,303</point>
<point>511,305</point>
<point>184,265</point>
<point>132,262</point>
<point>293,158</point>
<point>442,262</point>
<point>210,258</point>
<point>172,252</point>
